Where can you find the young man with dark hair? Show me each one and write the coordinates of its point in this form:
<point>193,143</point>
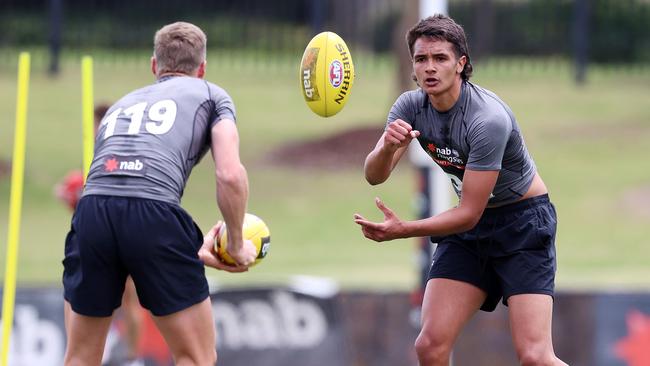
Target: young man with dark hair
<point>498,242</point>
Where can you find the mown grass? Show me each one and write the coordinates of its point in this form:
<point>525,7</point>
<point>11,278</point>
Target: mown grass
<point>589,142</point>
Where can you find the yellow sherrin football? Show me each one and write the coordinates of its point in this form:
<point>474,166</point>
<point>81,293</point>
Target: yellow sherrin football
<point>326,74</point>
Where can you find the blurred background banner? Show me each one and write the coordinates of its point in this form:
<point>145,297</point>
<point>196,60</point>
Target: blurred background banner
<point>38,331</point>
<point>278,327</point>
<point>282,327</point>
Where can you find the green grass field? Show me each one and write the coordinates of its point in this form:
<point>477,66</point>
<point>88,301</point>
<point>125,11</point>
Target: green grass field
<point>590,144</point>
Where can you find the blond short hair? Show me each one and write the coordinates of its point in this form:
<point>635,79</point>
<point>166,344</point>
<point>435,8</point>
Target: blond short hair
<point>179,47</point>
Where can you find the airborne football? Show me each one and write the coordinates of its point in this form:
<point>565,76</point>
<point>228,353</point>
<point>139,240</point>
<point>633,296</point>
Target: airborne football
<point>254,229</point>
<point>326,74</point>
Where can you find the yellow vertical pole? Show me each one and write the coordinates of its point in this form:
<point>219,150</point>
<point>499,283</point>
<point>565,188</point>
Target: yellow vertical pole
<point>87,110</point>
<point>15,203</point>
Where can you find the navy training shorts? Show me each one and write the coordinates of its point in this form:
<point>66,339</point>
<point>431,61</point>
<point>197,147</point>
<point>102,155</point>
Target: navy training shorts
<point>510,251</point>
<point>155,242</point>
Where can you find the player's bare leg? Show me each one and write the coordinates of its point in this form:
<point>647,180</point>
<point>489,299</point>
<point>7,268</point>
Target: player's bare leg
<point>447,306</point>
<point>530,322</point>
<point>86,338</point>
<point>132,317</point>
<point>190,334</point>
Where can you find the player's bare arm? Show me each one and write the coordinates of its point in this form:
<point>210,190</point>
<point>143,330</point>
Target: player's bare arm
<point>232,189</point>
<point>477,186</point>
<point>389,150</point>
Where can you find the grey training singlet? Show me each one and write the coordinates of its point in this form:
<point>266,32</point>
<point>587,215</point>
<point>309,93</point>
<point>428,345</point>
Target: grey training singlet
<point>149,141</point>
<point>478,133</point>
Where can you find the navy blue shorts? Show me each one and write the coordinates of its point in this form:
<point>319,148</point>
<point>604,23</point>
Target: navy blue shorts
<point>155,242</point>
<point>510,251</point>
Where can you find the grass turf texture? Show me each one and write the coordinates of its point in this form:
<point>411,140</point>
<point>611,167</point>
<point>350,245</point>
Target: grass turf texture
<point>590,145</point>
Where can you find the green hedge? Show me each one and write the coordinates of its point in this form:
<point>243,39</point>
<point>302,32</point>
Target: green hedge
<point>619,30</point>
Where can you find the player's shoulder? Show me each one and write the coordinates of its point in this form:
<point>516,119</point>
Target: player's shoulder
<point>216,90</point>
<point>410,102</point>
<point>415,97</point>
<point>486,104</point>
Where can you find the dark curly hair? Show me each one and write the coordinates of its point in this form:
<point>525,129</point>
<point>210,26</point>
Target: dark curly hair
<point>443,28</point>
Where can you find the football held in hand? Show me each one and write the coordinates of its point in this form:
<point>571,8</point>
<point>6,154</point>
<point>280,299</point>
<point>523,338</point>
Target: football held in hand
<point>254,229</point>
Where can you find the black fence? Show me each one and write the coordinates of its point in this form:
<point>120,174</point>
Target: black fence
<point>601,31</point>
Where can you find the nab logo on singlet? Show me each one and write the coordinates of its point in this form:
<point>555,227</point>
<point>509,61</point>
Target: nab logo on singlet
<point>117,164</point>
<point>445,156</point>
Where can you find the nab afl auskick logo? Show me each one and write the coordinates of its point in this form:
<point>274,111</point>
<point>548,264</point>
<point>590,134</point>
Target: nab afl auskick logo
<point>336,73</point>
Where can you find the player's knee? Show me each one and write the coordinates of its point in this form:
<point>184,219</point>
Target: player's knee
<point>432,350</point>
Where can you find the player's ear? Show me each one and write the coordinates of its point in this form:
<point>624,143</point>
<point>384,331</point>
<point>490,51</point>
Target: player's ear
<point>461,64</point>
<point>201,71</point>
<point>154,66</point>
<point>414,78</point>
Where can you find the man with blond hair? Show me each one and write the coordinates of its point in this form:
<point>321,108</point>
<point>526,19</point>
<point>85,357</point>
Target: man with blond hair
<point>129,220</point>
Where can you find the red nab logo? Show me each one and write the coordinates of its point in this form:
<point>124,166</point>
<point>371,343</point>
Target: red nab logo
<point>119,164</point>
<point>110,165</point>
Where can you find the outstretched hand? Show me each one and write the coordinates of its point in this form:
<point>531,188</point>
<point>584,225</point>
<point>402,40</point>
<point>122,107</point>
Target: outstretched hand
<point>381,231</point>
<point>209,256</point>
